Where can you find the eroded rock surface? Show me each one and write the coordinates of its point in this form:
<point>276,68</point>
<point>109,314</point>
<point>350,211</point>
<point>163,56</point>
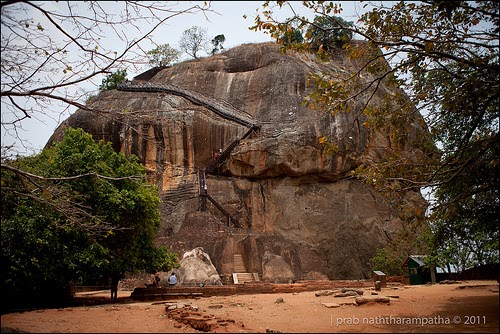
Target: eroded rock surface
<point>298,203</point>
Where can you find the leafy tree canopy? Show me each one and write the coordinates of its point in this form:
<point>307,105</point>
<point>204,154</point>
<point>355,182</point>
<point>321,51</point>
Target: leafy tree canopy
<point>112,80</point>
<point>163,55</point>
<point>437,57</point>
<point>329,32</point>
<point>76,213</point>
<point>292,36</point>
<point>217,42</point>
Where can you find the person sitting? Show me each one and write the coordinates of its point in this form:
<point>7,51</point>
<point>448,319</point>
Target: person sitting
<point>172,280</point>
<point>156,282</point>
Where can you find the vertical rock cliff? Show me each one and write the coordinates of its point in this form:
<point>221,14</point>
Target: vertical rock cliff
<point>291,199</point>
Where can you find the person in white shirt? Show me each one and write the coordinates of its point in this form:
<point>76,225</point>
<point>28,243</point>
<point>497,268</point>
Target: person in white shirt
<point>172,280</point>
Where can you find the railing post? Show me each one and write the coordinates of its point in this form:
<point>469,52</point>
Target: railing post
<point>203,191</point>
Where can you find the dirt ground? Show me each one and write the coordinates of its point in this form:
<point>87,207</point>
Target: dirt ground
<point>463,307</point>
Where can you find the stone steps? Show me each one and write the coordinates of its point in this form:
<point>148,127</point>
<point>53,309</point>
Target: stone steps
<point>241,278</point>
<point>245,277</point>
<point>240,274</point>
<point>239,265</point>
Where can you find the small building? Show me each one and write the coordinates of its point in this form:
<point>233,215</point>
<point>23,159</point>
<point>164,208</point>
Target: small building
<point>417,270</point>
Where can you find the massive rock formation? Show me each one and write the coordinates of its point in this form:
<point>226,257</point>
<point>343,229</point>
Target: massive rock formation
<point>294,202</point>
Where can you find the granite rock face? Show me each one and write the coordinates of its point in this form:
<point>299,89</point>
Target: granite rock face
<point>293,201</point>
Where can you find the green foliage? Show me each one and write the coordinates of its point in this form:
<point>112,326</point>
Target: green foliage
<point>464,244</point>
<point>90,215</point>
<point>387,263</point>
<point>291,36</point>
<point>217,42</point>
<point>465,216</point>
<point>163,55</point>
<point>414,238</point>
<point>327,32</point>
<point>112,80</point>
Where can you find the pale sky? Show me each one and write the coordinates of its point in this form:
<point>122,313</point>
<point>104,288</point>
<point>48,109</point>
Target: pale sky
<point>229,22</point>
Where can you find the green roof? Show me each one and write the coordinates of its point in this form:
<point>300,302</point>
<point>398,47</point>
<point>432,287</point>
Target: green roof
<point>419,259</point>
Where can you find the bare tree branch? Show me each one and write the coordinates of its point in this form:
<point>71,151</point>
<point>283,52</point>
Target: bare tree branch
<point>50,50</point>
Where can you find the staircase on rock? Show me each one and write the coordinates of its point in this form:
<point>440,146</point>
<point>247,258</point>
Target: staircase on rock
<point>240,274</point>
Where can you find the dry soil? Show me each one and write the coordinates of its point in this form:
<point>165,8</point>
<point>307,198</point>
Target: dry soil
<point>468,306</point>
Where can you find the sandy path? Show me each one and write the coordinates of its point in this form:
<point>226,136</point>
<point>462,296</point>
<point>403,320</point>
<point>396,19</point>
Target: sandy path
<point>471,306</point>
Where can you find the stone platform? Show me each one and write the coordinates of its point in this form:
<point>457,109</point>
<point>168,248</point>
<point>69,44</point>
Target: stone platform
<point>177,292</point>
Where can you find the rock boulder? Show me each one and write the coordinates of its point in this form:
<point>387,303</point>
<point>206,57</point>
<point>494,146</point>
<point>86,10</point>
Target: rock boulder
<point>277,182</point>
<point>197,268</point>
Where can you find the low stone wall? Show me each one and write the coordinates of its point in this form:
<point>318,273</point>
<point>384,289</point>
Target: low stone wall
<point>180,291</point>
<point>399,279</point>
